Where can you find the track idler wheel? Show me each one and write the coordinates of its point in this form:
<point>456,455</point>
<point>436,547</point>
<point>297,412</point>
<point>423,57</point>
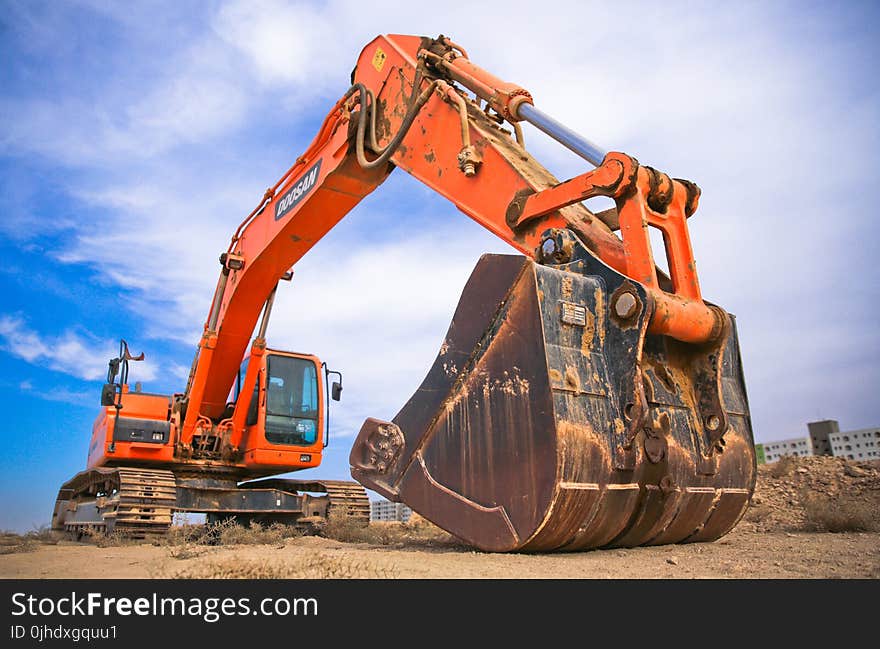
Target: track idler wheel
<point>550,422</point>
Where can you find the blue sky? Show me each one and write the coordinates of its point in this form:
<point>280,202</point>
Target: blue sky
<point>135,136</point>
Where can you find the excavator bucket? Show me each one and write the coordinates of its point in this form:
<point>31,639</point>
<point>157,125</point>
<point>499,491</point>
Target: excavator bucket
<point>550,422</point>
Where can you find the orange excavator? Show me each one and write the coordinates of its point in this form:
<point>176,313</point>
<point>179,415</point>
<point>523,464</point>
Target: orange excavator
<point>582,398</point>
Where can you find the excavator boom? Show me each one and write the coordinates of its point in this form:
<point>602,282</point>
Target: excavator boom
<point>581,398</point>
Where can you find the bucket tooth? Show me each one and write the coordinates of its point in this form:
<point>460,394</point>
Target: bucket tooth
<point>547,422</point>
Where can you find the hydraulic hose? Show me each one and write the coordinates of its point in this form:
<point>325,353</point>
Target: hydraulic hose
<point>367,102</point>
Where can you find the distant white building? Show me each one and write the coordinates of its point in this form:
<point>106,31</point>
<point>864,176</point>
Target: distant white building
<point>798,446</point>
<point>385,510</point>
<point>819,432</point>
<point>826,438</point>
<point>863,444</point>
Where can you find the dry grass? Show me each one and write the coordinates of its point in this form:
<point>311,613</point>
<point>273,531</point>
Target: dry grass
<point>417,531</point>
<point>840,515</point>
<point>12,543</point>
<point>190,541</point>
<point>256,534</point>
<point>187,541</point>
<point>342,527</point>
<point>108,539</point>
<point>314,566</point>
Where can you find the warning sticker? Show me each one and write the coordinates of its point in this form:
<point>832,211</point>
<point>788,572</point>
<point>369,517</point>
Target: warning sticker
<point>379,59</point>
<point>574,314</point>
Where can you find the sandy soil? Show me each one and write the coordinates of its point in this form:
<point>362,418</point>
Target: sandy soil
<point>775,540</point>
<point>744,553</point>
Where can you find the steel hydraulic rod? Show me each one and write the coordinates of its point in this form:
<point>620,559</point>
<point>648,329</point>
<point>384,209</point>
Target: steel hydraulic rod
<point>561,133</point>
<point>267,311</point>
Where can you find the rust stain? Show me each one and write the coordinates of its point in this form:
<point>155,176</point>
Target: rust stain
<point>531,170</point>
<point>599,298</point>
<point>572,378</point>
<point>566,288</point>
<point>489,443</point>
<point>383,122</point>
<point>587,335</point>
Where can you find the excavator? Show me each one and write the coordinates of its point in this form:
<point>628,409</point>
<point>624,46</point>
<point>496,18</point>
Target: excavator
<point>582,396</point>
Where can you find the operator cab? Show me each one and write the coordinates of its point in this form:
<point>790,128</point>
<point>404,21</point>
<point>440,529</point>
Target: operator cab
<point>287,399</point>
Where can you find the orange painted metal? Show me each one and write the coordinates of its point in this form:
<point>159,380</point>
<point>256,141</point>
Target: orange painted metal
<point>430,151</point>
<point>102,449</point>
<point>645,198</point>
<point>247,451</point>
<point>270,247</point>
<point>239,415</point>
<point>503,97</point>
<point>327,181</point>
<point>257,451</point>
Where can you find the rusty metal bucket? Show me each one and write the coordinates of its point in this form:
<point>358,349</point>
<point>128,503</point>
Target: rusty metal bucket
<point>549,422</point>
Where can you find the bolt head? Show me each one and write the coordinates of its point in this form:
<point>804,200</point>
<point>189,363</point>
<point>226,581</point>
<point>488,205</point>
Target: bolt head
<point>625,305</point>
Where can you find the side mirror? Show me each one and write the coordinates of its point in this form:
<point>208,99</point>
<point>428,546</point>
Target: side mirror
<point>108,394</point>
<point>336,391</point>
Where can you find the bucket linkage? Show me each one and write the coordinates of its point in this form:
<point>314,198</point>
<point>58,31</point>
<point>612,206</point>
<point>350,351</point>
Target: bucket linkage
<point>552,420</point>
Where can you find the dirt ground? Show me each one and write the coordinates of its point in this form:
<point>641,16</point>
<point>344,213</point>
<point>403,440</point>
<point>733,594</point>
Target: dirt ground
<point>784,535</point>
<point>742,554</point>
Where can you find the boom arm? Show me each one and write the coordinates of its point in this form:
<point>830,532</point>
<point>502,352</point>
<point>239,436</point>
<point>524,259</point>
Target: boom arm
<point>404,110</point>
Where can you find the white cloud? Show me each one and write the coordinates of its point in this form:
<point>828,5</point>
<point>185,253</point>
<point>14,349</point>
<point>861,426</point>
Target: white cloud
<point>69,352</point>
<point>199,93</point>
<point>288,43</point>
<point>201,97</point>
<point>178,371</point>
<point>62,395</point>
<point>161,242</point>
<point>727,96</point>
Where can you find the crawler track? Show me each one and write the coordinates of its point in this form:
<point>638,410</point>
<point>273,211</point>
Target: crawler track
<point>343,496</point>
<point>137,503</point>
<point>140,503</point>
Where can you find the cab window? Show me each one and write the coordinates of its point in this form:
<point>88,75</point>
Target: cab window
<point>291,401</point>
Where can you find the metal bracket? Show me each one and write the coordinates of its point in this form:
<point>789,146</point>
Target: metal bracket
<point>623,342</point>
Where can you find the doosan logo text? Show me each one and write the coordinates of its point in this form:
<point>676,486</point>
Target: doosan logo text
<point>296,193</point>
